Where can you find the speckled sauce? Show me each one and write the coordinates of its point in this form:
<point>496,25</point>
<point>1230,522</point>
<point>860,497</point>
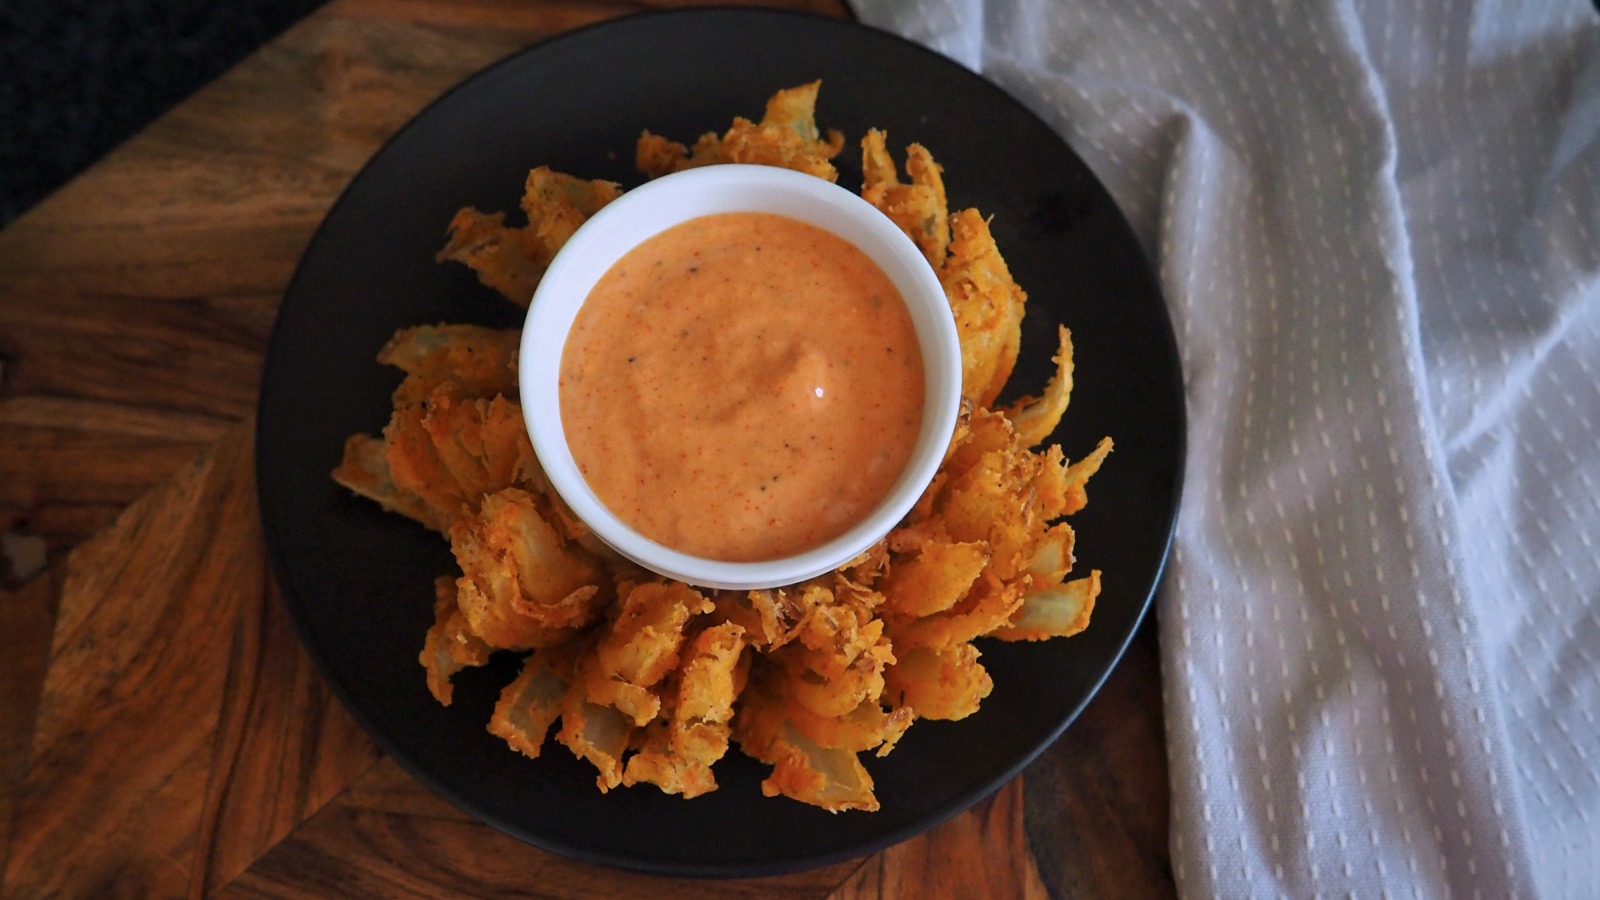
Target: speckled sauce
<point>742,387</point>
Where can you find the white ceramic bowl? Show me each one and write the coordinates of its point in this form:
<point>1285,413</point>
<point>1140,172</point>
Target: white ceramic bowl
<point>660,204</point>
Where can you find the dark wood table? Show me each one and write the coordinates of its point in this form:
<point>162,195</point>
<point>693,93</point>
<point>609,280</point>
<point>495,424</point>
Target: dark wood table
<point>161,730</point>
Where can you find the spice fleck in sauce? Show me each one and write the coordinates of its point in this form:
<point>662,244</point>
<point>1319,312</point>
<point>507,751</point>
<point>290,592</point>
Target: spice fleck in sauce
<point>741,387</point>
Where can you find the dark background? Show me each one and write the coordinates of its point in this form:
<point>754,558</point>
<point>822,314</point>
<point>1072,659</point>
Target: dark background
<point>79,77</point>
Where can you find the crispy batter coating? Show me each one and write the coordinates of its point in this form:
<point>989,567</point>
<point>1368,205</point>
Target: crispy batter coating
<point>453,436</point>
<point>651,680</point>
<point>1061,611</point>
<point>640,647</point>
<point>512,260</point>
<point>990,604</point>
<point>833,779</point>
<point>945,683</point>
<point>449,646</point>
<point>598,734</point>
<point>837,661</point>
<point>531,703</point>
<point>1036,417</point>
<point>470,361</point>
<point>988,307</point>
<point>451,453</point>
<point>1052,557</point>
<point>694,728</point>
<point>932,578</point>
<point>987,303</point>
<point>785,137</point>
<point>869,726</point>
<point>920,207</point>
<point>365,471</point>
<point>522,586</point>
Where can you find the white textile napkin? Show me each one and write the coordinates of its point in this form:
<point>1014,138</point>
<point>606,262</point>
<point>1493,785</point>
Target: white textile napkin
<point>1378,227</point>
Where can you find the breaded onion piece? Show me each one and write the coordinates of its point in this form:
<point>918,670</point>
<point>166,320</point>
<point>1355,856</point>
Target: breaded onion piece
<point>680,748</point>
<point>640,648</point>
<point>920,207</point>
<point>598,734</point>
<point>786,137</point>
<point>1061,487</point>
<point>946,683</point>
<point>832,779</point>
<point>472,361</point>
<point>988,306</point>
<point>989,605</point>
<point>531,703</point>
<point>522,587</point>
<point>1034,418</point>
<point>932,580</point>
<point>450,646</point>
<point>512,260</point>
<point>1061,611</point>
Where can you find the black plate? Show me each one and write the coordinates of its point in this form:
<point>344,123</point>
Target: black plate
<point>358,581</point>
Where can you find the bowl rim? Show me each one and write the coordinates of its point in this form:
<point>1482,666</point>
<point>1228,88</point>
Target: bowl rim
<point>679,197</point>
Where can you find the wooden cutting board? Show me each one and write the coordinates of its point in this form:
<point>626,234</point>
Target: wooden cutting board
<point>161,731</point>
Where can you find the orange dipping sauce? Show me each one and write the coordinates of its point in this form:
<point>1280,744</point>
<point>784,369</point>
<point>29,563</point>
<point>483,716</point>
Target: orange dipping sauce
<point>742,387</point>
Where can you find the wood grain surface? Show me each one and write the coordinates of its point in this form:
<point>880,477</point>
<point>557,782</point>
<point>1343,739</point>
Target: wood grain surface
<point>162,732</point>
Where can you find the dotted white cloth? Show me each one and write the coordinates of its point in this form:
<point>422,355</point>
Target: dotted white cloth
<point>1378,227</point>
